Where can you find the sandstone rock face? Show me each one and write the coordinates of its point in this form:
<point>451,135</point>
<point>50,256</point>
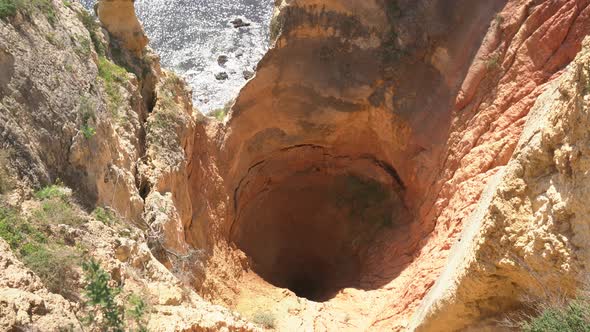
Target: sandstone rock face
<point>430,113</point>
<point>173,306</point>
<point>47,101</point>
<point>25,302</point>
<point>119,137</point>
<point>528,234</point>
<point>118,17</point>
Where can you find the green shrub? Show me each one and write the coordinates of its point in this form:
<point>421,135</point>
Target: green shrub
<point>122,59</point>
<point>161,131</point>
<point>56,207</point>
<point>573,317</point>
<point>101,298</point>
<point>167,95</point>
<point>168,104</point>
<point>8,8</point>
<point>88,131</point>
<point>9,228</point>
<point>51,38</point>
<point>168,111</point>
<point>52,191</point>
<point>57,211</point>
<point>31,233</point>
<point>171,82</point>
<point>137,313</point>
<point>86,110</point>
<point>167,92</point>
<point>105,216</point>
<point>266,319</point>
<point>16,230</point>
<point>46,7</point>
<point>220,113</point>
<point>54,266</point>
<point>82,46</point>
<point>110,72</point>
<point>103,311</point>
<point>112,76</point>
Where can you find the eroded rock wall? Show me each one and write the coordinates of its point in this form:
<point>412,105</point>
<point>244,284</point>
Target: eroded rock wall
<point>354,80</point>
<point>48,101</point>
<point>118,17</point>
<point>89,108</point>
<point>528,235</point>
<point>440,98</point>
<point>508,74</point>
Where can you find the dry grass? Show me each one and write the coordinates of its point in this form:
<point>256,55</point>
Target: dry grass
<point>556,312</point>
<point>265,318</point>
<point>50,260</point>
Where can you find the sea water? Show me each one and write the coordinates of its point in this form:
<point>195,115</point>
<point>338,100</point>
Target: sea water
<point>191,35</point>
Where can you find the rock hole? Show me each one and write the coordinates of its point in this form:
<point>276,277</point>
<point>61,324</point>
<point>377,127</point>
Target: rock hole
<point>308,227</point>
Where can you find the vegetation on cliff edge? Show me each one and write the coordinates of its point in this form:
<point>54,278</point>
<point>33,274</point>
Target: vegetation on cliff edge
<point>102,306</point>
<point>112,76</point>
<point>570,317</point>
<point>220,113</point>
<point>87,112</point>
<point>89,21</point>
<point>9,8</point>
<point>40,239</point>
<point>41,251</point>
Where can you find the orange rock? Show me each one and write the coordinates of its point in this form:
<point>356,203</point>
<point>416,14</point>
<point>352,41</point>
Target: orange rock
<point>444,117</point>
<point>118,17</point>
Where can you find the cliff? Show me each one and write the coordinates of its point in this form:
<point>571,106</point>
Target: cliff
<point>392,165</point>
<point>420,118</point>
<point>91,110</point>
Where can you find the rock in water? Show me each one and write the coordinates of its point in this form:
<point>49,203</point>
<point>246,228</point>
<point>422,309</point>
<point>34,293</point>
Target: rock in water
<point>239,23</point>
<point>222,60</point>
<point>247,74</point>
<point>221,76</point>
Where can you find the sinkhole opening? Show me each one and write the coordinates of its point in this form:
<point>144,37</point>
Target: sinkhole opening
<point>310,230</point>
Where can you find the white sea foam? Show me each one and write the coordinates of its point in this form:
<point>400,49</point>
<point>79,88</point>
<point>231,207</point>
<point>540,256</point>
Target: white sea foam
<point>190,35</point>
